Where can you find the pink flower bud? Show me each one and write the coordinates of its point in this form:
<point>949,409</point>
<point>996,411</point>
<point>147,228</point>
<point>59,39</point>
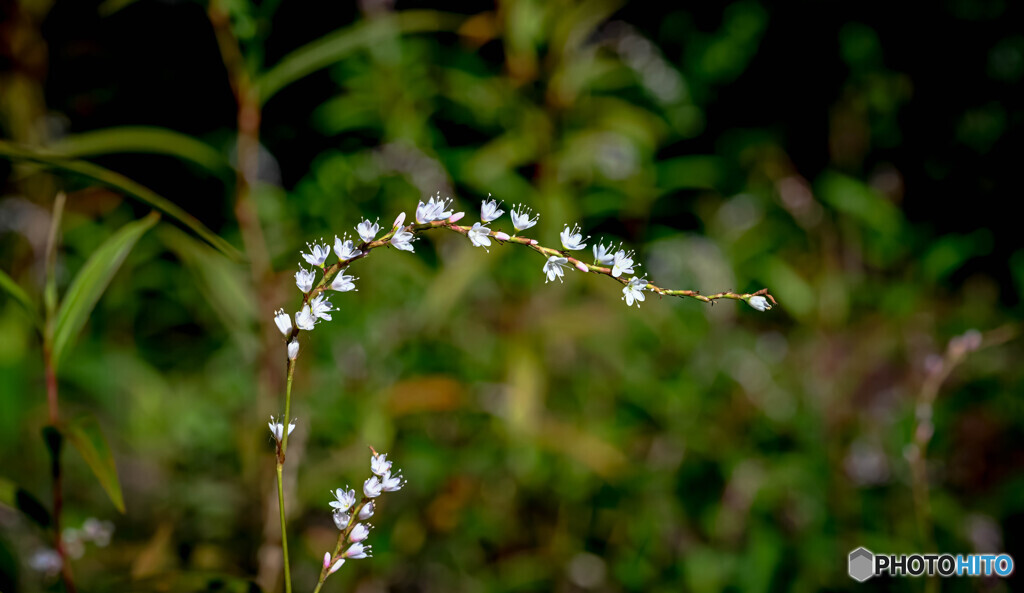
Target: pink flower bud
<point>533,241</point>
<point>400,220</point>
<point>327,559</point>
<point>456,217</point>
<point>582,266</point>
<point>501,236</point>
<point>336,566</point>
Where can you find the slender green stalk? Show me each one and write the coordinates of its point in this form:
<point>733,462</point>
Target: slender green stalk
<point>280,479</point>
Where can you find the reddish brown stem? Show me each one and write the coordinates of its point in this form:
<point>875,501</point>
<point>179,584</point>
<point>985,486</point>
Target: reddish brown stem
<point>55,471</point>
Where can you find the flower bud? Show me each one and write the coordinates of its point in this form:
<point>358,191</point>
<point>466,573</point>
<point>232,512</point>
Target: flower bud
<point>359,533</point>
<point>366,512</point>
<point>327,559</point>
<point>283,321</point>
<point>400,220</point>
<point>456,217</point>
<point>501,236</point>
<point>357,551</point>
<point>336,566</point>
<point>293,350</point>
<point>582,266</point>
<point>372,487</point>
<point>759,302</point>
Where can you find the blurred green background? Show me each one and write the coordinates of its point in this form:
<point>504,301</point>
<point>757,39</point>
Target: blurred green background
<point>860,163</point>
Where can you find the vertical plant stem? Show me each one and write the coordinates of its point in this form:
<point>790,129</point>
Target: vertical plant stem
<point>54,441</point>
<point>280,475</point>
<point>247,174</point>
<point>54,444</point>
<point>284,533</point>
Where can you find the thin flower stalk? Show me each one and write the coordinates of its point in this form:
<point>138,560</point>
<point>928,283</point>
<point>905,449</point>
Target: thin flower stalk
<point>331,270</point>
<point>355,531</point>
<point>433,214</point>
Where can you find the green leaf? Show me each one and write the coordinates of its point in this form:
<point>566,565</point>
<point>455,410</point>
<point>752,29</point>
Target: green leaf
<point>85,435</point>
<point>225,286</point>
<point>120,183</point>
<point>91,281</point>
<point>135,139</point>
<point>11,288</point>
<point>337,45</point>
<point>17,497</point>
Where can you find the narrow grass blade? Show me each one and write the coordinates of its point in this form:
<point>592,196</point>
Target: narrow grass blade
<point>90,283</point>
<point>120,183</point>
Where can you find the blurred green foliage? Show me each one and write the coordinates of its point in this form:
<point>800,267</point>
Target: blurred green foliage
<point>553,439</point>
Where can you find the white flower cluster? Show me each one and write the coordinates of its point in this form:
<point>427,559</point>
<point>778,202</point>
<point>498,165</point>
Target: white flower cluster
<point>345,506</point>
<point>621,262</point>
<point>618,262</point>
<point>93,530</point>
<point>480,235</point>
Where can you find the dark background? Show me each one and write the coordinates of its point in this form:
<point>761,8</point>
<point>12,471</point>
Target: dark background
<point>860,160</point>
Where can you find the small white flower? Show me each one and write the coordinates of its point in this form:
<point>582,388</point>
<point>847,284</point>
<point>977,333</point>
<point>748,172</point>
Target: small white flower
<point>480,235</point>
<point>317,254</point>
<point>602,255</point>
<point>372,487</point>
<point>489,210</point>
<point>304,279</point>
<point>73,544</point>
<point>98,531</point>
<point>357,551</point>
<point>293,350</point>
<point>425,212</point>
<point>379,464</point>
<point>402,239</point>
<point>436,208</point>
<point>305,319</point>
<point>46,561</point>
<point>392,483</point>
<point>366,512</point>
<point>345,499</point>
<point>283,321</point>
<point>359,533</point>
<point>622,263</point>
<point>759,302</point>
<point>336,566</point>
<point>367,230</point>
<point>572,239</point>
<point>553,268</point>
<point>345,250</point>
<point>344,283</point>
<point>634,291</point>
<point>341,518</point>
<point>320,307</point>
<point>521,218</point>
<point>277,428</point>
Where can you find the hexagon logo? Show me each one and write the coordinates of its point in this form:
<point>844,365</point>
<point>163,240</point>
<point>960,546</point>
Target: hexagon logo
<point>861,564</point>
